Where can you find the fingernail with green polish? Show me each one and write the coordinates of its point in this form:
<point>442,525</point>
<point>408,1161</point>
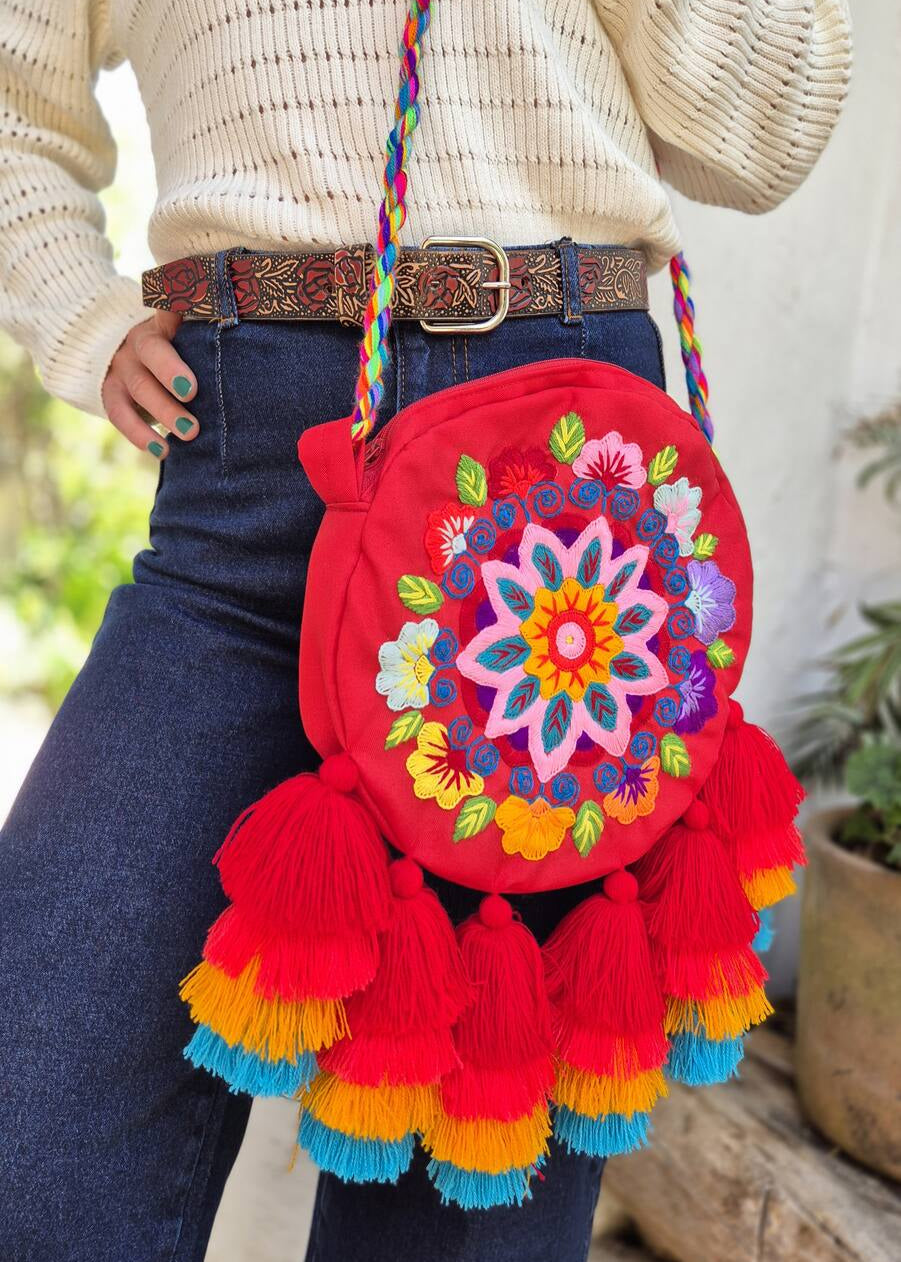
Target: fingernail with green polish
<point>181,386</point>
<point>184,424</point>
<point>156,449</point>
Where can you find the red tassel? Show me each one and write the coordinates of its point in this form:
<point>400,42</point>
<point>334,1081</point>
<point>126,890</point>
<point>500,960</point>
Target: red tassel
<point>307,858</point>
<point>696,903</point>
<point>752,795</point>
<point>601,980</point>
<point>400,1025</point>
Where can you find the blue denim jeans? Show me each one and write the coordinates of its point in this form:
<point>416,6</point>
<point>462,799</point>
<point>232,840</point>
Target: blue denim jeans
<point>112,1148</point>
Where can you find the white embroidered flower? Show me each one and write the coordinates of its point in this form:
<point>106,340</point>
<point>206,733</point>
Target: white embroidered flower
<point>406,669</point>
<point>679,504</point>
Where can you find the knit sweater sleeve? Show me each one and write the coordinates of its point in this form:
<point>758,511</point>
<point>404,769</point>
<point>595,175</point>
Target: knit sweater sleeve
<point>739,96</point>
<point>60,295</point>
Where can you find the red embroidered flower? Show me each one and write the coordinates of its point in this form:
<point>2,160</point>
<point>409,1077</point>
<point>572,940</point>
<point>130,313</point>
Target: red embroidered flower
<point>314,282</point>
<point>246,286</point>
<point>445,537</point>
<point>184,283</point>
<point>514,471</point>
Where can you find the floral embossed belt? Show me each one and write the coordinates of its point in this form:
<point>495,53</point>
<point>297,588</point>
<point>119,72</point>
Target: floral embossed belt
<point>469,284</point>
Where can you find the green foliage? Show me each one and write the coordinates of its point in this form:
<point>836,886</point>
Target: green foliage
<point>587,828</point>
<point>475,815</point>
<point>567,437</point>
<point>663,464</point>
<point>674,757</point>
<point>74,497</point>
<point>472,485</point>
<point>882,433</point>
<point>419,594</point>
<point>873,774</point>
<point>404,728</point>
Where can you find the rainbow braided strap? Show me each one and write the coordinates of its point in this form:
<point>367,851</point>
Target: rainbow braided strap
<point>392,213</point>
<point>684,310</point>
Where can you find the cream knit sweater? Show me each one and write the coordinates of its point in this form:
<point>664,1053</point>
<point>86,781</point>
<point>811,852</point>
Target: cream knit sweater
<point>540,118</point>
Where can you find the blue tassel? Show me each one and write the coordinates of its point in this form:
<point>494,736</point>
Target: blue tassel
<point>473,1189</point>
<point>699,1061</point>
<point>766,933</point>
<point>245,1071</point>
<point>606,1136</point>
<point>351,1159</point>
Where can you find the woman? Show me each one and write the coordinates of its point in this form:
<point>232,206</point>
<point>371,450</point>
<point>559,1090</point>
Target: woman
<point>544,121</point>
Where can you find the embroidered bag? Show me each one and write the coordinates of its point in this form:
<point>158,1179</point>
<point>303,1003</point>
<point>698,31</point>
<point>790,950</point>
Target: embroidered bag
<point>528,605</point>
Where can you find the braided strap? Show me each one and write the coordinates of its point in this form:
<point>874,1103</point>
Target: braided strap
<point>392,213</point>
<point>684,310</point>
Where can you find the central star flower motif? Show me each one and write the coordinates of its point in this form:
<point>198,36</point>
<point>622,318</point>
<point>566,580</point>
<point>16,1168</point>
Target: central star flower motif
<point>570,643</point>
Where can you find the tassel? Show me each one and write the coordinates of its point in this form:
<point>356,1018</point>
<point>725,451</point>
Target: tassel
<point>753,799</point>
<point>701,927</point>
<point>380,1083</point>
<point>608,1021</point>
<point>699,1061</point>
<point>306,873</point>
<point>492,1118</point>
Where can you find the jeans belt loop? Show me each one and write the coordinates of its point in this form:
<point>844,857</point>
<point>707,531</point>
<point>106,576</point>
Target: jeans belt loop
<point>226,303</point>
<point>569,275</point>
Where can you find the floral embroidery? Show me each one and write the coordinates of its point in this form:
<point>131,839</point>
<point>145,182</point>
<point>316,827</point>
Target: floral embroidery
<point>514,472</point>
<point>697,696</point>
<point>679,504</point>
<point>532,829</point>
<point>582,660</point>
<point>439,770</point>
<point>406,668</point>
<point>569,645</point>
<point>711,600</point>
<point>445,537</point>
<point>636,793</point>
<point>611,461</point>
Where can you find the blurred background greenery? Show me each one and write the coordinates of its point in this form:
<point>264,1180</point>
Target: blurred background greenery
<point>74,495</point>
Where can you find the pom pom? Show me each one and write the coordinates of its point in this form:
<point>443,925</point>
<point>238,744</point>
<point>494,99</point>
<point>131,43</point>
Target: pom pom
<point>493,1116</point>
<point>307,859</point>
<point>697,817</point>
<point>621,887</point>
<point>753,799</point>
<point>339,772</point>
<point>400,1025</point>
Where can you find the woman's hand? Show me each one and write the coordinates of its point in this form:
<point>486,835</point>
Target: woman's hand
<point>147,374</point>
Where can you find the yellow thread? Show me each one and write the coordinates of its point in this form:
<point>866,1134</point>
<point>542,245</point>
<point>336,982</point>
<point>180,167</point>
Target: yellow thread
<point>594,1094</point>
<point>486,1145</point>
<point>724,1017</point>
<point>768,886</point>
<point>275,1029</point>
<point>384,1112</point>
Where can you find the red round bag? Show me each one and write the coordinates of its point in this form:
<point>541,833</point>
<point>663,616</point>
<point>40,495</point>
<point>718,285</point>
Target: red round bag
<point>527,608</point>
<point>527,612</point>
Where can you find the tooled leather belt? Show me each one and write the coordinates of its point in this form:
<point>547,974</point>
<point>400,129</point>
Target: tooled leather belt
<point>471,285</point>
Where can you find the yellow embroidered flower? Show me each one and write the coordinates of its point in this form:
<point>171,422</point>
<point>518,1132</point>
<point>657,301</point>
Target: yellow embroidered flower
<point>532,829</point>
<point>571,637</point>
<point>636,792</point>
<point>439,769</point>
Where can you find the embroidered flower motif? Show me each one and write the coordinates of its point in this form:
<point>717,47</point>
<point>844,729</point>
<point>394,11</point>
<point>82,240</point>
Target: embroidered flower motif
<point>697,696</point>
<point>636,793</point>
<point>439,769</point>
<point>406,669</point>
<point>679,504</point>
<point>514,472</point>
<point>611,461</point>
<point>532,829</point>
<point>569,645</point>
<point>445,537</point>
<point>711,600</point>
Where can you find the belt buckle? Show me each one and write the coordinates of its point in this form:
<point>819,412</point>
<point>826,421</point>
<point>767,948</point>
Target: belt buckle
<point>502,285</point>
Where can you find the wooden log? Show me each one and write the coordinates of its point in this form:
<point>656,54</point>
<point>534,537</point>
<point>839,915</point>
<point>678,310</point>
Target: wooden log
<point>733,1172</point>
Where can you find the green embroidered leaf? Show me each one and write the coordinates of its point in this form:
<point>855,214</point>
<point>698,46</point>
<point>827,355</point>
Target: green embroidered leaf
<point>588,827</point>
<point>705,546</point>
<point>567,437</point>
<point>720,655</point>
<point>674,758</point>
<point>472,485</point>
<point>419,594</point>
<point>404,728</point>
<point>662,465</point>
<point>475,814</point>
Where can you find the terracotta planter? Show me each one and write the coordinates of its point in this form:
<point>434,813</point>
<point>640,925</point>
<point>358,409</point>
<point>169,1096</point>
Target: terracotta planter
<point>849,1000</point>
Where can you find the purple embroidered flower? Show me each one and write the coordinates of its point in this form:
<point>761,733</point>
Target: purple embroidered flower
<point>711,600</point>
<point>697,696</point>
